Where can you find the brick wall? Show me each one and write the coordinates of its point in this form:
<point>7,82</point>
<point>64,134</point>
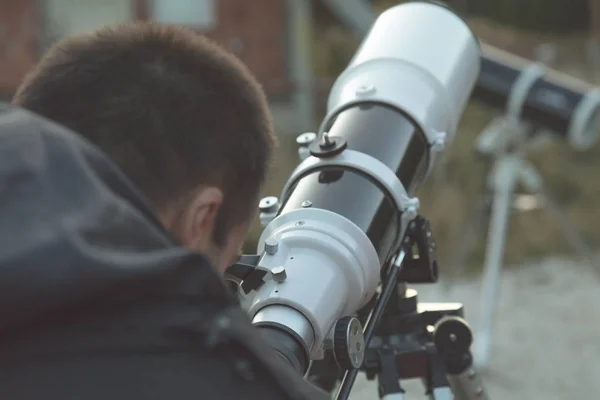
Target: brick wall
<point>19,33</point>
<point>254,30</point>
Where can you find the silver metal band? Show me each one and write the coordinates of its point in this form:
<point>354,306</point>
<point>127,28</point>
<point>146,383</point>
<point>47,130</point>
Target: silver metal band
<point>521,88</point>
<point>355,160</point>
<point>582,132</point>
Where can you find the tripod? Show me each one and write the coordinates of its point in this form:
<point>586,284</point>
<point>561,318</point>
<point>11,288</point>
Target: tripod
<point>506,143</point>
<point>430,341</point>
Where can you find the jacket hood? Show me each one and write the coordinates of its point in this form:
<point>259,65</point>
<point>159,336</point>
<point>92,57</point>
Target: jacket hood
<point>74,231</point>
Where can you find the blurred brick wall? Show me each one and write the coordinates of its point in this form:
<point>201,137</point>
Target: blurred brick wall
<point>254,30</point>
<point>19,33</point>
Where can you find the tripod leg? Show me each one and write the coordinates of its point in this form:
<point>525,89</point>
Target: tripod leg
<point>504,180</point>
<point>389,381</point>
<point>438,387</point>
<point>452,341</point>
<point>467,386</point>
<point>324,373</point>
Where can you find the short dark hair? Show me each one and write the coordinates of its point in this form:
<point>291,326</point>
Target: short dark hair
<point>172,108</point>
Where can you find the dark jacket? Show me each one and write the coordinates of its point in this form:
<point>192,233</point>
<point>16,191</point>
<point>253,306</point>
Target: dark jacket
<point>97,301</point>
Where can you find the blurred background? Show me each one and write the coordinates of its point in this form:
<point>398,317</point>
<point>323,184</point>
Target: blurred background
<point>296,48</point>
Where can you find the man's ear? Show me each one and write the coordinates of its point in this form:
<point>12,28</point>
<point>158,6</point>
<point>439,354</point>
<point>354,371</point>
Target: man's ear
<point>199,218</point>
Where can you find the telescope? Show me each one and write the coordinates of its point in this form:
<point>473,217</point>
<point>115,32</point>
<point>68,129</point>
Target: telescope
<point>532,99</point>
<point>346,236</point>
<point>534,93</point>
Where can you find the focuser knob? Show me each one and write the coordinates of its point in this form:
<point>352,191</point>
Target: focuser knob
<point>268,207</point>
<point>420,265</point>
<point>348,343</point>
<point>452,335</point>
<point>304,141</point>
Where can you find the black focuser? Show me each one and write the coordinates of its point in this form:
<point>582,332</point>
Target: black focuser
<point>348,343</point>
<point>420,264</point>
<point>244,274</point>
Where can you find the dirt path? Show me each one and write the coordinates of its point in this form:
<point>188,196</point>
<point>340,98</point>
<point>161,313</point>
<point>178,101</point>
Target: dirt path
<point>547,336</point>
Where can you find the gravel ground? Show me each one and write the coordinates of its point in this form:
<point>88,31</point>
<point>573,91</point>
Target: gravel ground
<point>547,334</point>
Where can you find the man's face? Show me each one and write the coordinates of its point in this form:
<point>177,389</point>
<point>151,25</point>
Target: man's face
<point>224,257</point>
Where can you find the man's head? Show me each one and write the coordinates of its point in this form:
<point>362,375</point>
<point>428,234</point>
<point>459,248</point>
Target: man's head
<point>183,119</point>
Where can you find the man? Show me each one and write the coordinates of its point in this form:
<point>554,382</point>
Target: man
<point>104,293</point>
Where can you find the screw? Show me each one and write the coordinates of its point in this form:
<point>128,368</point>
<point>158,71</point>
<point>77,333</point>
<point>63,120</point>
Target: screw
<point>306,138</point>
<point>299,223</point>
<point>411,212</point>
<point>279,274</point>
<point>268,204</point>
<point>439,143</point>
<point>365,90</point>
<point>412,208</point>
<point>306,203</point>
<point>325,138</point>
<point>271,246</point>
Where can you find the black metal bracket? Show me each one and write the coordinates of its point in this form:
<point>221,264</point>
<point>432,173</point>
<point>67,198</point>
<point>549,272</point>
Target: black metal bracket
<point>245,274</point>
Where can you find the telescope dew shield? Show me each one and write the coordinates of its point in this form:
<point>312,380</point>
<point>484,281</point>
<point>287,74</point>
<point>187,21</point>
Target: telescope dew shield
<point>344,213</point>
<point>550,100</point>
<point>423,67</point>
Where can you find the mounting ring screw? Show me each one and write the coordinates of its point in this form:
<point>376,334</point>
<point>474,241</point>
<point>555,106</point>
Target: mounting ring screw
<point>268,204</point>
<point>305,139</point>
<point>412,208</point>
<point>439,142</point>
<point>279,274</point>
<point>365,90</point>
<point>271,246</point>
<point>306,203</point>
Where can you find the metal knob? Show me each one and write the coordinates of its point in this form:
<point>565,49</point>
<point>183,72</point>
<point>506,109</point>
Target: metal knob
<point>271,246</point>
<point>303,141</point>
<point>268,204</point>
<point>348,343</point>
<point>268,207</point>
<point>279,274</point>
<point>452,335</point>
